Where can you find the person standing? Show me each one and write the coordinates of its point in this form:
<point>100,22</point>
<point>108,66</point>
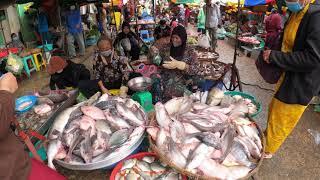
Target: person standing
<point>273,28</point>
<point>187,15</point>
<point>201,21</point>
<point>43,27</point>
<point>74,27</point>
<point>212,13</point>
<point>300,60</point>
<point>163,30</point>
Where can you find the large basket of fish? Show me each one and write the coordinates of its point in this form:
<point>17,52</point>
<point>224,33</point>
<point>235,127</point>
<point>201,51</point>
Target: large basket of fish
<point>206,142</point>
<point>96,133</point>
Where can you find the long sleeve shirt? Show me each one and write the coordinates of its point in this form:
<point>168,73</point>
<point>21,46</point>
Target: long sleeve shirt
<point>14,161</point>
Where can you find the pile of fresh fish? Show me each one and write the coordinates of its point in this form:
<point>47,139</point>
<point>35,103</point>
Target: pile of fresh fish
<point>92,130</point>
<point>148,168</point>
<point>214,141</point>
<point>47,103</point>
<point>217,97</point>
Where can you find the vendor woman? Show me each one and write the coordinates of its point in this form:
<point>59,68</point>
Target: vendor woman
<point>134,50</point>
<point>181,69</point>
<point>110,71</point>
<point>66,74</point>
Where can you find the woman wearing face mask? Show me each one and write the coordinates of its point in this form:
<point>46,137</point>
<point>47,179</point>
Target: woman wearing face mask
<point>110,71</point>
<point>182,71</point>
<point>163,30</point>
<point>134,51</point>
<point>66,73</point>
<point>16,43</point>
<point>300,60</point>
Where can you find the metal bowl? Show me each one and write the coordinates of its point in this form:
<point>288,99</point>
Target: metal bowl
<point>140,84</point>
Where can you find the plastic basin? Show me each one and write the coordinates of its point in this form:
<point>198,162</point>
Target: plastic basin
<point>248,96</point>
<point>135,156</point>
<point>24,99</point>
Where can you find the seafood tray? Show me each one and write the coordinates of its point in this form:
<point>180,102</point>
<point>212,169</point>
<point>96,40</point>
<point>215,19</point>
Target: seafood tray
<point>216,69</point>
<point>40,124</point>
<point>96,133</point>
<point>205,54</point>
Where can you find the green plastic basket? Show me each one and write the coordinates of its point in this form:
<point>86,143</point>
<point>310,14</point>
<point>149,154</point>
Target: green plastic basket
<point>248,96</point>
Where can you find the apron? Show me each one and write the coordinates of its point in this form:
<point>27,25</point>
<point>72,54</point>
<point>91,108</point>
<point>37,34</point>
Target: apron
<point>284,117</point>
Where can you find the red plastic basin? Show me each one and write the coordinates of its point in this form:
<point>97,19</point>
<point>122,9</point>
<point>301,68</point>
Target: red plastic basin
<point>137,156</point>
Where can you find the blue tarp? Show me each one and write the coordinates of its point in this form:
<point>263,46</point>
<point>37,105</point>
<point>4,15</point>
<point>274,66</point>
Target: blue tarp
<point>256,2</point>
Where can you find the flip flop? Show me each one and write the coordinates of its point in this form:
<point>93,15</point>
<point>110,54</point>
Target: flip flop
<point>267,156</point>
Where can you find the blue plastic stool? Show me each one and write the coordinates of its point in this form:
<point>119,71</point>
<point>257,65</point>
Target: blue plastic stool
<point>26,66</point>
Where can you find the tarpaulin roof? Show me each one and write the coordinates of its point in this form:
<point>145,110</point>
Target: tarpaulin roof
<point>257,2</point>
<point>246,2</point>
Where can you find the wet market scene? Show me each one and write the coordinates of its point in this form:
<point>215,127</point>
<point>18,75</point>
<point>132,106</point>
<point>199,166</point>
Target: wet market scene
<point>159,89</point>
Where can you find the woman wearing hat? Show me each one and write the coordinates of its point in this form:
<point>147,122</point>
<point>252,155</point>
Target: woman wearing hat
<point>66,74</point>
<point>181,70</point>
<point>300,60</point>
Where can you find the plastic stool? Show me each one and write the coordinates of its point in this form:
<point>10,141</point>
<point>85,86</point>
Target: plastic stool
<point>144,98</point>
<point>26,66</point>
<point>39,62</point>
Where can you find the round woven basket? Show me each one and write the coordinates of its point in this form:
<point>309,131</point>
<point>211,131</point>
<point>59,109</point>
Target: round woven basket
<point>163,157</point>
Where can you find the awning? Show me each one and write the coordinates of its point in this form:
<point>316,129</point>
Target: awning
<point>257,2</point>
<point>186,1</point>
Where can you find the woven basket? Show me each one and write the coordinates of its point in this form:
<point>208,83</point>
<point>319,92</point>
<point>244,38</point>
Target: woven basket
<point>163,157</point>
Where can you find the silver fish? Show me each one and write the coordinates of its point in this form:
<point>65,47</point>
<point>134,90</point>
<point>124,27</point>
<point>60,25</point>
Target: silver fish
<point>128,164</point>
<point>76,160</point>
<point>157,168</point>
<point>52,151</point>
<point>197,157</point>
<point>238,155</point>
<point>252,132</point>
<point>77,113</point>
<point>227,141</point>
<point>116,122</point>
<point>103,126</point>
<point>59,123</point>
<point>128,114</point>
<point>57,98</point>
<point>143,166</point>
<point>105,154</point>
<point>93,112</point>
<point>119,137</point>
<point>148,159</point>
<point>85,147</point>
<point>132,176</point>
<point>253,148</point>
<point>175,155</point>
<point>100,142</point>
<point>208,138</point>
<point>161,138</point>
<point>177,131</point>
<point>162,116</point>
<point>103,105</point>
<point>90,101</point>
<point>74,142</point>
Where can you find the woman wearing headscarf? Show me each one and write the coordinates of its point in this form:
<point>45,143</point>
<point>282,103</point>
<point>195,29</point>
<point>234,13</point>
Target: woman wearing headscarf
<point>181,71</point>
<point>133,49</point>
<point>300,60</point>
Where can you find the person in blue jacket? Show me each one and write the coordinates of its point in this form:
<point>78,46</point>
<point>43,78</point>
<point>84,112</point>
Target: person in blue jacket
<point>74,28</point>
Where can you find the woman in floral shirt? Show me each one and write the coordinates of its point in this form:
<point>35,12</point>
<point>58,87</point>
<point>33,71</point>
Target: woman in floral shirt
<point>110,71</point>
<point>182,72</point>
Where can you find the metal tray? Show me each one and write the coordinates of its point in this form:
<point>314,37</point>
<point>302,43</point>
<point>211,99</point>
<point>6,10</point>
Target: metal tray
<point>111,160</point>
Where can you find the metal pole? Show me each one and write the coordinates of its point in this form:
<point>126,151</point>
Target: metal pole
<point>235,77</point>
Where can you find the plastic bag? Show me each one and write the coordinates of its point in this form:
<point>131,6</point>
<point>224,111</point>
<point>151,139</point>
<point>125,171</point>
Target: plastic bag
<point>14,64</point>
<point>316,135</point>
<point>203,41</point>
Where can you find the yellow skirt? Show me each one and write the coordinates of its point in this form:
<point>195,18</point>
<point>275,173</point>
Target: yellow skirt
<point>281,121</point>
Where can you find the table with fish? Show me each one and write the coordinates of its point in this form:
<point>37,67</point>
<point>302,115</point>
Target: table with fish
<point>49,105</point>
